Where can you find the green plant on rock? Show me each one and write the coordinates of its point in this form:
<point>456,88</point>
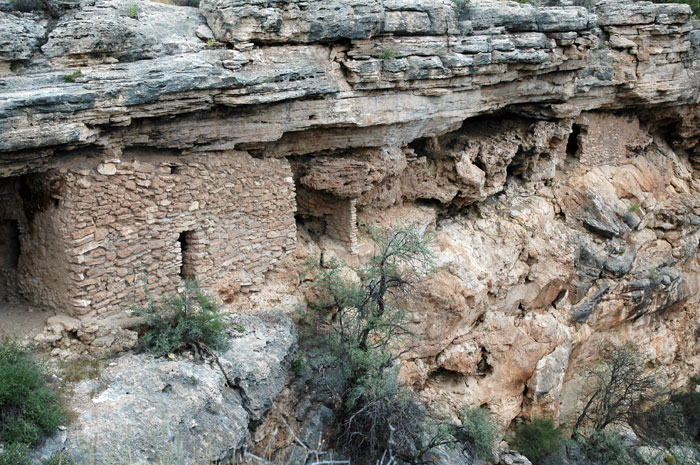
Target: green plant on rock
<point>478,432</point>
<point>187,320</point>
<point>29,406</point>
<point>388,54</point>
<point>537,439</point>
<point>72,76</point>
<point>607,448</point>
<point>299,364</point>
<point>366,321</point>
<point>15,454</point>
<point>133,11</point>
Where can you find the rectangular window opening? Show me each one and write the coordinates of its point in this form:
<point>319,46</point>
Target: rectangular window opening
<point>185,239</point>
<point>9,244</point>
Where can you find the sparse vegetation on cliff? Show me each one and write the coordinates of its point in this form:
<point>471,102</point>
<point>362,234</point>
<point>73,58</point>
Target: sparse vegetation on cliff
<point>478,431</point>
<point>185,320</point>
<point>29,407</point>
<point>694,5</point>
<point>537,439</point>
<point>620,387</point>
<point>367,319</point>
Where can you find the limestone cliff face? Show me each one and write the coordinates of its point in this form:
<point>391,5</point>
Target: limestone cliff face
<point>555,149</point>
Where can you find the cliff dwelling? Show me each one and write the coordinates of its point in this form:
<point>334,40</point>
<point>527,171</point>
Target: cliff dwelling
<point>89,241</point>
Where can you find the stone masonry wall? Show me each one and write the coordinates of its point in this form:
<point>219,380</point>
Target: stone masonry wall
<point>34,226</point>
<point>236,213</point>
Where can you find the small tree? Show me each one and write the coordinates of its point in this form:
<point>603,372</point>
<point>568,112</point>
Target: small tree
<point>619,388</point>
<point>368,321</point>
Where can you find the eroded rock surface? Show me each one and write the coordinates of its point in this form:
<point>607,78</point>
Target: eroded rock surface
<point>148,408</point>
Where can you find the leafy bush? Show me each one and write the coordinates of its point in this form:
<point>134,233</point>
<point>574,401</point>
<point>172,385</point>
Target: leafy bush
<point>479,431</point>
<point>15,454</point>
<point>606,448</point>
<point>29,408</point>
<point>186,320</point>
<point>537,439</point>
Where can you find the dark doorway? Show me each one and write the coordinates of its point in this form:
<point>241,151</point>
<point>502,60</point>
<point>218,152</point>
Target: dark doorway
<point>9,244</point>
<point>186,239</point>
<point>572,147</point>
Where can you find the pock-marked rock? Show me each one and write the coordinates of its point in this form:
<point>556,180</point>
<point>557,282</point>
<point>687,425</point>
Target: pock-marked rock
<point>148,408</point>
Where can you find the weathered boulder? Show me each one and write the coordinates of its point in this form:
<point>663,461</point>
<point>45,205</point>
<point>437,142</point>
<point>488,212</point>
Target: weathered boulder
<point>20,37</point>
<point>148,408</point>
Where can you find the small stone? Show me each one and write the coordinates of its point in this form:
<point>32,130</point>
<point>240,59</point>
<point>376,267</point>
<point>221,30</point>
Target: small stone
<point>204,33</point>
<point>107,169</point>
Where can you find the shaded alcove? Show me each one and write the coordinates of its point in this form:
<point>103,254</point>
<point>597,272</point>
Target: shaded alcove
<point>187,267</point>
<point>9,244</point>
<point>572,145</point>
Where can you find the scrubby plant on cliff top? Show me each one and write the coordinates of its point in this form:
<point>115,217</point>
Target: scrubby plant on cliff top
<point>619,388</point>
<point>366,321</point>
<point>187,320</point>
<point>29,407</point>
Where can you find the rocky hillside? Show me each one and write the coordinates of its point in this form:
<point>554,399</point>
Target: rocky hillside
<point>555,150</point>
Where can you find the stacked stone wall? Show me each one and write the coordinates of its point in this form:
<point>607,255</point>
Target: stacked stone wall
<point>30,209</point>
<point>236,213</point>
<point>95,237</point>
<point>339,215</point>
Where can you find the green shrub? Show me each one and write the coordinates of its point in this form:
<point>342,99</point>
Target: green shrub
<point>182,321</point>
<point>15,454</point>
<point>134,11</point>
<point>299,364</point>
<point>72,76</point>
<point>29,407</point>
<point>388,54</point>
<point>606,448</point>
<point>537,439</point>
<point>479,431</point>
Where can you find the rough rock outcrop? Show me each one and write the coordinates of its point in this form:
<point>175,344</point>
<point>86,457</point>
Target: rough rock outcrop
<point>159,409</point>
<point>388,72</point>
